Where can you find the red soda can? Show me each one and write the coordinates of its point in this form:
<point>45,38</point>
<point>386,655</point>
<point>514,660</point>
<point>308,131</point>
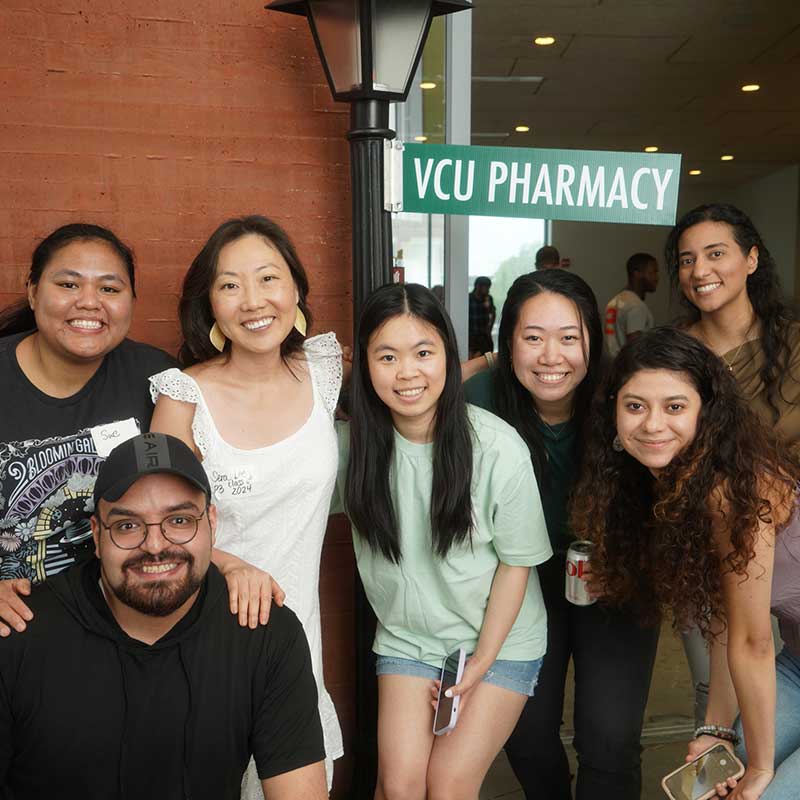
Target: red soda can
<point>578,556</point>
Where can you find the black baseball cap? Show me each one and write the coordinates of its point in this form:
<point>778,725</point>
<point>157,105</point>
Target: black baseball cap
<point>147,454</point>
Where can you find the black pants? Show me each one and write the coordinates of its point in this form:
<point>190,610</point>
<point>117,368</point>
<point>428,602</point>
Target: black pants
<point>613,659</point>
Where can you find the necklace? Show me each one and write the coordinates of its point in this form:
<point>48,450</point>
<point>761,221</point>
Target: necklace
<point>728,364</point>
<point>556,435</point>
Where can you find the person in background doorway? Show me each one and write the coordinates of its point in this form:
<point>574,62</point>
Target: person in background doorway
<point>627,315</point>
<point>482,314</point>
<point>547,257</point>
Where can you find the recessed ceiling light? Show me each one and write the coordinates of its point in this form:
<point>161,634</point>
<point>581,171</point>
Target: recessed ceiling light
<point>726,158</point>
<point>522,128</point>
<point>695,172</point>
<point>427,85</point>
<point>651,148</point>
<point>420,138</point>
<point>751,87</point>
<point>544,41</point>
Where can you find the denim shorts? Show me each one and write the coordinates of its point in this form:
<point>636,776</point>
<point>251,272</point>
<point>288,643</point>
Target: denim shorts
<point>516,676</point>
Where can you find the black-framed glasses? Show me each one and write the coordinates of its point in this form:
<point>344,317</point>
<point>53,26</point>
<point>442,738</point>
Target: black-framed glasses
<point>131,532</point>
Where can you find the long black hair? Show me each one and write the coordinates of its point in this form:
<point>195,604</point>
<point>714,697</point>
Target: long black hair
<point>368,500</point>
<point>763,290</point>
<point>194,308</point>
<point>513,401</point>
<point>19,317</point>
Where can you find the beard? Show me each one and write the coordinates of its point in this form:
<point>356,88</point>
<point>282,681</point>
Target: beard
<point>158,598</point>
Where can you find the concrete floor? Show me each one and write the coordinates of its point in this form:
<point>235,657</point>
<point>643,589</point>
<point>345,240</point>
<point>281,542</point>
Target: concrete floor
<point>668,727</point>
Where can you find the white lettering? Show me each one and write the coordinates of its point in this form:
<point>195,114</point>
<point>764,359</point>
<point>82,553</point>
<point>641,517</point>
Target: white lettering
<point>661,188</point>
<point>498,175</point>
<point>637,176</point>
<point>467,193</point>
<point>543,187</point>
<point>516,180</point>
<point>437,178</point>
<point>592,191</point>
<point>422,181</point>
<point>563,183</point>
<point>618,192</point>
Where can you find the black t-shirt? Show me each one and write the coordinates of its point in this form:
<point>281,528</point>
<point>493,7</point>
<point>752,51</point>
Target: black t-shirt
<point>87,712</point>
<point>49,458</point>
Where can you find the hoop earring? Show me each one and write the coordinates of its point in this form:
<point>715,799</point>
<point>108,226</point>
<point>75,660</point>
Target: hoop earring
<point>300,323</point>
<point>217,337</point>
<point>616,445</point>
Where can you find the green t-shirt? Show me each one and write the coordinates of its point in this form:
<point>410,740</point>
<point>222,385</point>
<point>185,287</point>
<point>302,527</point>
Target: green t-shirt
<point>559,443</point>
<point>427,606</point>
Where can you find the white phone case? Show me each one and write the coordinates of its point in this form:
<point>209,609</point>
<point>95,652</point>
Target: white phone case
<point>462,657</point>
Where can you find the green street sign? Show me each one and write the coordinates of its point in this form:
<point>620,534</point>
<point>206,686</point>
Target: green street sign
<point>586,185</point>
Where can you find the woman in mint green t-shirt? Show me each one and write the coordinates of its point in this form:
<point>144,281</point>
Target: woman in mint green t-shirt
<point>447,524</point>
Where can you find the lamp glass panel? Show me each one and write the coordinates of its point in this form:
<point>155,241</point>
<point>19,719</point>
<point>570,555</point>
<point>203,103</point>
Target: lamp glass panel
<point>397,30</point>
<point>338,29</point>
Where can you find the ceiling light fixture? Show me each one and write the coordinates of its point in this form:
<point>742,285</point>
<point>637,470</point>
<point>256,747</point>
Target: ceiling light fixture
<point>751,87</point>
<point>522,128</point>
<point>420,138</point>
<point>544,41</point>
<point>695,172</point>
<point>427,85</point>
<point>726,158</point>
<point>651,148</point>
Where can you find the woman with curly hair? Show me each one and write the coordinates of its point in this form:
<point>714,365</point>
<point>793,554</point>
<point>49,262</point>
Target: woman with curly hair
<point>689,500</point>
<point>548,366</point>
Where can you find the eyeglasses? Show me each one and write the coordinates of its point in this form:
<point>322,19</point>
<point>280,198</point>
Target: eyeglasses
<point>131,532</point>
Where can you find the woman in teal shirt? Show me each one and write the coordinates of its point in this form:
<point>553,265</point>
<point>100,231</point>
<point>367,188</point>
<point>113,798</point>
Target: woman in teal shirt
<point>550,350</point>
<point>447,524</point>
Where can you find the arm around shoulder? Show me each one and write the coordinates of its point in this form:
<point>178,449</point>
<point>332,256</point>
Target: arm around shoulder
<point>175,418</point>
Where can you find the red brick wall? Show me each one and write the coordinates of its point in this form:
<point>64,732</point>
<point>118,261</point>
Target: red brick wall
<point>160,120</point>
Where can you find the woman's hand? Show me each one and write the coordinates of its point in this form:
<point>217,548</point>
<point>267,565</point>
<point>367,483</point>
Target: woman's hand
<point>593,588</point>
<point>13,611</point>
<point>474,671</point>
<point>250,589</point>
<point>702,743</point>
<point>750,786</point>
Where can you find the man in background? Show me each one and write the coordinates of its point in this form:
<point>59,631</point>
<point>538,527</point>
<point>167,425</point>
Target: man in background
<point>547,257</point>
<point>627,315</point>
<point>482,314</point>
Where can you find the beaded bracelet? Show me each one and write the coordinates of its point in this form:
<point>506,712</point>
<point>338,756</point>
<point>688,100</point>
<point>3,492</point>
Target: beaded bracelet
<point>718,731</point>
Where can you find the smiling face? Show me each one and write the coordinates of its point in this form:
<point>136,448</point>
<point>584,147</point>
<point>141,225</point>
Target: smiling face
<point>253,297</point>
<point>657,412</point>
<point>712,269</point>
<point>83,302</point>
<point>547,352</point>
<point>407,366</point>
<point>158,577</point>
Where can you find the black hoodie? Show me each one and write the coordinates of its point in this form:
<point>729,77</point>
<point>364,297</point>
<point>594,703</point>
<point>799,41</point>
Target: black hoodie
<point>88,712</point>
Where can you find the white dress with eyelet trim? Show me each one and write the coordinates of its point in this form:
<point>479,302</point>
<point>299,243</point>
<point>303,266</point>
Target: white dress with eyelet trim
<point>273,505</point>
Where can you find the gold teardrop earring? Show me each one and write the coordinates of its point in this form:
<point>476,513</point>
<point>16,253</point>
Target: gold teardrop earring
<point>217,337</point>
<point>300,323</point>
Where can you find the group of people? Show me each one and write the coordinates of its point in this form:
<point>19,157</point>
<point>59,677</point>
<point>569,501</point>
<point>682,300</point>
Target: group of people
<point>464,488</point>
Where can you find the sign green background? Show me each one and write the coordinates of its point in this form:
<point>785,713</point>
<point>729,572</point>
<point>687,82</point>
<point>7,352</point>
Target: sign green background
<point>458,179</point>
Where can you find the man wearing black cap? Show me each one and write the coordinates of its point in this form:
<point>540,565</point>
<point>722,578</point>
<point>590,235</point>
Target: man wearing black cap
<point>136,681</point>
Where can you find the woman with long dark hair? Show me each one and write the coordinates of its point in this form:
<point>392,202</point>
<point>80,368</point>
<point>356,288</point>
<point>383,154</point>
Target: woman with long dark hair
<point>690,502</point>
<point>447,524</point>
<point>548,366</point>
<point>256,404</point>
<point>732,294</point>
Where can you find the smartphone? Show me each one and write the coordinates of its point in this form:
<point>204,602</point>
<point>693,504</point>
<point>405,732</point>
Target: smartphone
<point>447,707</point>
<point>697,779</point>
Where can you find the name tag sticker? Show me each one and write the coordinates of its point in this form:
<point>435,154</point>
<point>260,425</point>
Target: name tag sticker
<point>107,437</point>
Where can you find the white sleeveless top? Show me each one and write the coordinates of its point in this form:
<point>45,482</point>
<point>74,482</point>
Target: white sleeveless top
<point>272,505</point>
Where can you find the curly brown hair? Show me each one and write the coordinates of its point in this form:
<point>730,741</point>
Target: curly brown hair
<point>655,547</point>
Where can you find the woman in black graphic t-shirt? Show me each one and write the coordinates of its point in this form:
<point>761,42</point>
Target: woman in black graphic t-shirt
<point>72,387</point>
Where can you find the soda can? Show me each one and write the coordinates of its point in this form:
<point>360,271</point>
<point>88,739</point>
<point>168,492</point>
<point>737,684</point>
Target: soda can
<point>577,557</point>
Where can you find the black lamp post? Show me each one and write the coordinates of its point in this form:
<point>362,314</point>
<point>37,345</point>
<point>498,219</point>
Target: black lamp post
<point>370,50</point>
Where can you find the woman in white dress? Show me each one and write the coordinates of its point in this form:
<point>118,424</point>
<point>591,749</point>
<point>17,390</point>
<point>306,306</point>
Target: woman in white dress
<point>256,404</point>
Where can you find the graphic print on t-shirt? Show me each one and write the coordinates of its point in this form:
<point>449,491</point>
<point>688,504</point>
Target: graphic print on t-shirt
<point>46,490</point>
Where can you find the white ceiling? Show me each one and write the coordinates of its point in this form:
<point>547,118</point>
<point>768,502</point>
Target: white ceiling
<point>624,74</point>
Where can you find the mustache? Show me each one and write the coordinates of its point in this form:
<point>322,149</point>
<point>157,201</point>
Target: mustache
<point>147,560</point>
